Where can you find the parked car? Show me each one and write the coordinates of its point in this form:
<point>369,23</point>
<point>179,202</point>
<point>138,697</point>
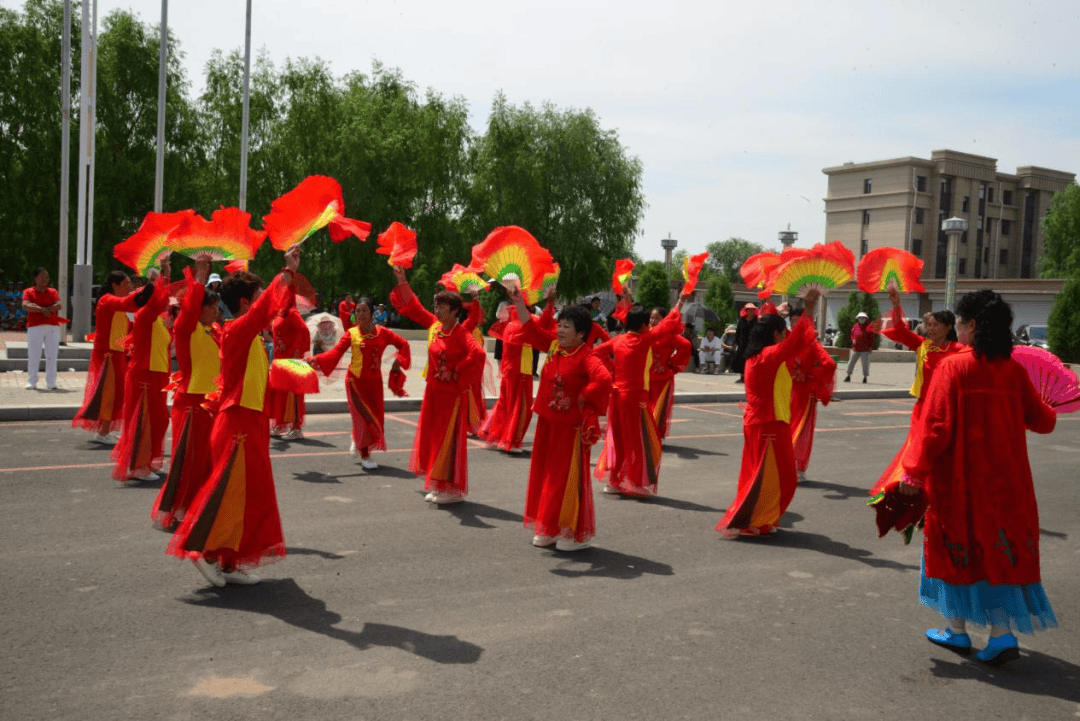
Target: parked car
<point>1032,334</point>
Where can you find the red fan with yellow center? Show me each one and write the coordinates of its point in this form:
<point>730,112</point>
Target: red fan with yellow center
<point>624,270</point>
<point>755,270</point>
<point>313,204</point>
<point>399,243</point>
<point>226,236</point>
<point>293,375</point>
<point>691,268</point>
<point>550,279</point>
<point>460,279</point>
<point>883,268</point>
<point>144,250</point>
<point>512,256</point>
<point>821,268</point>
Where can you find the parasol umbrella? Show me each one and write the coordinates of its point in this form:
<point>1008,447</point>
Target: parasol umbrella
<point>608,301</point>
<point>693,311</point>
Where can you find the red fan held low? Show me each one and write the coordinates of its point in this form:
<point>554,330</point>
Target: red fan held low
<point>293,375</point>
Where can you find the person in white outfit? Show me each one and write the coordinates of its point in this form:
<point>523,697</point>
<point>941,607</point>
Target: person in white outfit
<point>709,351</point>
<point>42,305</point>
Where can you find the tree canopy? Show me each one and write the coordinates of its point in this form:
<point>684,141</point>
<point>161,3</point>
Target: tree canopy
<point>727,256</point>
<point>652,289</point>
<point>1061,226</point>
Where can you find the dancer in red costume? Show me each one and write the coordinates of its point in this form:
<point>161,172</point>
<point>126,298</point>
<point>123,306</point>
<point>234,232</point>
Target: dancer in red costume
<point>477,403</point>
<point>103,402</point>
<point>196,337</point>
<point>574,388</point>
<point>969,457</point>
<point>292,339</point>
<point>234,522</point>
<point>630,458</point>
<point>670,355</point>
<point>364,382</point>
<point>455,362</point>
<point>140,453</point>
<point>345,310</point>
<point>767,476</point>
<point>813,378</point>
<point>939,344</point>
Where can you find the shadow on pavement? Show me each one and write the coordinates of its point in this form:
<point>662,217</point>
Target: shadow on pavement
<point>1054,534</point>
<point>285,600</point>
<point>842,492</point>
<point>1033,673</point>
<point>392,472</point>
<point>469,514</point>
<point>316,477</point>
<point>824,544</point>
<point>675,503</point>
<point>603,563</point>
<point>300,551</point>
<point>689,453</point>
<point>282,444</point>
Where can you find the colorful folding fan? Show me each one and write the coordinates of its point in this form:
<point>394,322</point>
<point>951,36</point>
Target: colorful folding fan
<point>1056,384</point>
<point>549,279</point>
<point>399,243</point>
<point>460,279</point>
<point>235,266</point>
<point>884,267</point>
<point>315,203</point>
<point>691,268</point>
<point>822,268</point>
<point>293,374</point>
<point>144,250</point>
<point>226,236</point>
<point>755,269</point>
<point>624,270</point>
<point>512,256</point>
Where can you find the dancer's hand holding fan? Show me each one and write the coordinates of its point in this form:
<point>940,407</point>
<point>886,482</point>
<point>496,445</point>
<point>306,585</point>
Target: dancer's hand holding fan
<point>1057,385</point>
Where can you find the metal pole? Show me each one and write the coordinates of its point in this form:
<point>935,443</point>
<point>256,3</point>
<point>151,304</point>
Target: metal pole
<point>244,111</point>
<point>954,228</point>
<point>65,159</point>
<point>93,145</point>
<point>80,309</point>
<point>163,62</point>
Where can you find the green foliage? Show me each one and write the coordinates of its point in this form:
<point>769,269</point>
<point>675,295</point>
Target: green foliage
<point>652,288</point>
<point>1061,251</point>
<point>1063,325</point>
<point>845,317</point>
<point>720,298</point>
<point>727,256</point>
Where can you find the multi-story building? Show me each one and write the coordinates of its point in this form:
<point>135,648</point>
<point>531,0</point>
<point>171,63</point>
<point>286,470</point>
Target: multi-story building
<point>900,203</point>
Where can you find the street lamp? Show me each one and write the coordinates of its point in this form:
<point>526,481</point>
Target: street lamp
<point>954,228</point>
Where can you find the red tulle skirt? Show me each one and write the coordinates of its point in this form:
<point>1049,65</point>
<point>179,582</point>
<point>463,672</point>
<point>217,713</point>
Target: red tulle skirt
<point>559,502</point>
<point>439,449</point>
<point>234,519</point>
<point>803,422</point>
<point>767,480</point>
<point>630,456</point>
<point>103,399</point>
<point>509,420</point>
<point>662,402</point>
<point>141,449</point>
<point>190,463</point>
<point>285,408</point>
<point>366,409</point>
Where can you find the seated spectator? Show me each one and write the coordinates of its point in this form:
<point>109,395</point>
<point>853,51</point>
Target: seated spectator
<point>381,317</point>
<point>727,349</point>
<point>709,351</point>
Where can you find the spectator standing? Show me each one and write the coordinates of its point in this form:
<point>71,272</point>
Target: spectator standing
<point>41,304</point>
<point>862,342</point>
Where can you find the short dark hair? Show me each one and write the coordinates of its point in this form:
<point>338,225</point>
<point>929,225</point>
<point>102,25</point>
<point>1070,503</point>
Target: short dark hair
<point>445,297</point>
<point>795,312</point>
<point>579,317</point>
<point>210,297</point>
<point>993,323</point>
<point>366,300</point>
<point>238,286</point>
<point>114,278</point>
<point>37,272</point>
<point>761,335</point>
<point>637,317</point>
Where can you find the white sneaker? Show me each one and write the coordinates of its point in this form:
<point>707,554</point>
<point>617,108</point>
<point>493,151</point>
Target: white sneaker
<point>430,497</point>
<point>514,451</point>
<point>51,388</point>
<point>569,544</point>
<point>31,386</point>
<point>446,498</point>
<point>106,440</point>
<point>210,571</point>
<point>368,464</point>
<point>240,578</point>
<point>611,489</point>
<point>293,435</point>
<point>352,448</point>
<point>148,478</point>
<point>544,541</point>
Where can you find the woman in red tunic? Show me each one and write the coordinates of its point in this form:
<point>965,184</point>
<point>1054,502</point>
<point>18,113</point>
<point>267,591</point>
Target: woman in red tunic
<point>140,453</point>
<point>939,344</point>
<point>234,521</point>
<point>574,388</point>
<point>292,339</point>
<point>767,476</point>
<point>103,402</point>
<point>670,354</point>
<point>196,337</point>
<point>455,362</point>
<point>813,375</point>
<point>364,382</point>
<point>969,456</point>
<point>630,458</point>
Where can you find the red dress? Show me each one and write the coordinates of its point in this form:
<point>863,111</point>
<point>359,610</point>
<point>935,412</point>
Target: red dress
<point>455,362</point>
<point>767,477</point>
<point>574,388</point>
<point>103,400</point>
<point>813,373</point>
<point>477,403</point>
<point>344,311</point>
<point>146,414</point>
<point>292,339</point>
<point>197,354</point>
<point>234,518</point>
<point>669,356</point>
<point>364,383</point>
<point>630,457</point>
<point>927,358</point>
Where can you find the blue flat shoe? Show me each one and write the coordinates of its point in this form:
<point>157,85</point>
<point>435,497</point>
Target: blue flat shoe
<point>999,650</point>
<point>957,642</point>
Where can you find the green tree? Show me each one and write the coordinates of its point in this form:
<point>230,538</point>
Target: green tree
<point>1061,226</point>
<point>720,298</point>
<point>727,256</point>
<point>1063,325</point>
<point>845,318</point>
<point>652,288</point>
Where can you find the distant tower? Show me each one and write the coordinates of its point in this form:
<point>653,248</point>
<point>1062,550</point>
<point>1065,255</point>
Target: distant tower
<point>788,237</point>
<point>668,244</point>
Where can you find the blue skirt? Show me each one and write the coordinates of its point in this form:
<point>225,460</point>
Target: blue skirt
<point>1018,608</point>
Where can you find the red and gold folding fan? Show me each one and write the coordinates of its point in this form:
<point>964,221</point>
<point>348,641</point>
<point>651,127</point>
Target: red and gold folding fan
<point>145,249</point>
<point>551,278</point>
<point>235,266</point>
<point>624,270</point>
<point>226,236</point>
<point>1056,384</point>
<point>399,243</point>
<point>822,268</point>
<point>884,268</point>
<point>512,256</point>
<point>313,204</point>
<point>460,279</point>
<point>755,269</point>
<point>691,268</point>
<point>294,375</point>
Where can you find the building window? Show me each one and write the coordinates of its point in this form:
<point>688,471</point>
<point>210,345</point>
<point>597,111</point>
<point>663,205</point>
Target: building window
<point>1006,226</point>
<point>963,237</point>
<point>864,247</point>
<point>866,186</point>
<point>961,266</point>
<point>916,246</point>
<point>986,255</point>
<point>990,194</point>
<point>866,217</point>
<point>982,191</point>
<point>1006,197</point>
<point>979,223</point>
<point>965,207</point>
<point>920,183</point>
<point>919,216</point>
<point>1003,256</point>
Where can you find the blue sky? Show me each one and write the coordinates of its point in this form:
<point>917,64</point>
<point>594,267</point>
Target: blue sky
<point>733,109</point>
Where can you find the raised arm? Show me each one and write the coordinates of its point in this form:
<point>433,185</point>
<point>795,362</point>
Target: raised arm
<point>407,304</point>
<point>898,330</point>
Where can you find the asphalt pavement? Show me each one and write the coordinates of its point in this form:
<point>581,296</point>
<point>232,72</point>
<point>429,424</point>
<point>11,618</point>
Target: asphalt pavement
<point>387,607</point>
